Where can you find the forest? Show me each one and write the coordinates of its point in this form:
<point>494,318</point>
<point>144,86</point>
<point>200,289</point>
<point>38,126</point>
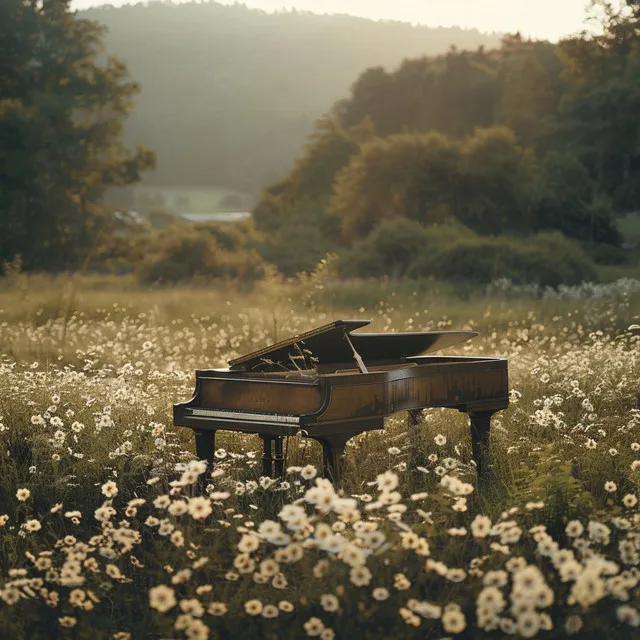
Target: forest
<point>471,155</point>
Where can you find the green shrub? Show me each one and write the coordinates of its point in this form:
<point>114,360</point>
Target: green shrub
<point>188,252</point>
<point>238,236</point>
<point>548,259</point>
<point>393,246</point>
<point>296,248</point>
<point>404,248</point>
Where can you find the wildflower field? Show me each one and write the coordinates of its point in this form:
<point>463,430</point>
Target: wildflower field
<point>110,528</point>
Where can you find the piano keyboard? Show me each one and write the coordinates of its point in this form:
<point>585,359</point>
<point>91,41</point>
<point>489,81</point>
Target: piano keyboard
<point>248,417</point>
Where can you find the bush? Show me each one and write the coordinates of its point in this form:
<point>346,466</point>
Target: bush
<point>238,236</point>
<point>186,253</point>
<point>161,217</point>
<point>548,259</point>
<point>394,246</point>
<point>296,248</point>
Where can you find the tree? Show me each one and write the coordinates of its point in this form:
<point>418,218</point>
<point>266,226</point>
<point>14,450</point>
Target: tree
<point>302,197</point>
<point>410,175</point>
<point>566,201</point>
<point>452,94</point>
<point>62,105</point>
<point>599,111</point>
<point>526,98</point>
<point>498,183</point>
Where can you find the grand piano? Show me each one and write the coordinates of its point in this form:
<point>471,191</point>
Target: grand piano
<point>331,384</point>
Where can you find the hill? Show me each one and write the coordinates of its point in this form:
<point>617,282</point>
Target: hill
<point>229,94</point>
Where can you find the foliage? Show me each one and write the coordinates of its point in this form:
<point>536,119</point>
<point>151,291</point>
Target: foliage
<point>498,175</point>
<point>303,196</point>
<point>182,253</point>
<point>61,110</point>
<point>296,248</point>
<point>526,138</point>
<point>566,201</point>
<point>452,252</point>
<point>416,177</point>
<point>395,248</point>
<point>599,110</point>
<point>388,250</point>
<point>547,259</point>
<point>486,182</point>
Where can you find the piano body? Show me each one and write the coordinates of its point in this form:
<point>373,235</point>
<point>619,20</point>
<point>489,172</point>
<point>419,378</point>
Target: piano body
<point>330,384</point>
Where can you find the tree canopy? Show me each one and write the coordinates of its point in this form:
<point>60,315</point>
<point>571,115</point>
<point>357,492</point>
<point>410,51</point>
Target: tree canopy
<point>525,138</point>
<point>62,106</point>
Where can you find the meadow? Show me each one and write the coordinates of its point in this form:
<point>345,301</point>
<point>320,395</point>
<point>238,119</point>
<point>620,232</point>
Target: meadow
<point>110,528</point>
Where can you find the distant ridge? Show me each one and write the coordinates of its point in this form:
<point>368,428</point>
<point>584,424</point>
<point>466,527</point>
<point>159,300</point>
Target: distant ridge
<point>229,94</point>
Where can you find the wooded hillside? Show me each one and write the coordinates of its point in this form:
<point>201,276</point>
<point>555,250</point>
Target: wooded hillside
<point>229,94</point>
<point>527,138</point>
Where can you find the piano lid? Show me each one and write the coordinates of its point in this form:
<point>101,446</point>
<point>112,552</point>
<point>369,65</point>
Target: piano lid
<point>328,344</point>
<point>379,347</point>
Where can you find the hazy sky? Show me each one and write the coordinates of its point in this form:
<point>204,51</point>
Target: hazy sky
<point>550,19</point>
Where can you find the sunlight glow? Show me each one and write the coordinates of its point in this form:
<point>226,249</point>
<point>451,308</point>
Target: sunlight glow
<point>544,19</point>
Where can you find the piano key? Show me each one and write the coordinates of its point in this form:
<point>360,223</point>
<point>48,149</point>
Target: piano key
<point>249,417</point>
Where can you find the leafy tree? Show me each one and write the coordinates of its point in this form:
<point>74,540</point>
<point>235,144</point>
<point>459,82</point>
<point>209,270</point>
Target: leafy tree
<point>526,98</point>
<point>302,197</point>
<point>415,176</point>
<point>566,201</point>
<point>372,96</point>
<point>61,110</point>
<point>498,183</point>
<point>452,93</point>
<point>388,250</point>
<point>467,92</point>
<point>599,112</point>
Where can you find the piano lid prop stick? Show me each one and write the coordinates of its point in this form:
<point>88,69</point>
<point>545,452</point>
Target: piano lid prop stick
<point>356,356</point>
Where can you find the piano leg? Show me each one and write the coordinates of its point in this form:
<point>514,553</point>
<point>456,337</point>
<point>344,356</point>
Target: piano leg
<point>205,443</point>
<point>267,460</point>
<point>480,430</point>
<point>413,433</point>
<point>332,452</point>
<point>279,458</point>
